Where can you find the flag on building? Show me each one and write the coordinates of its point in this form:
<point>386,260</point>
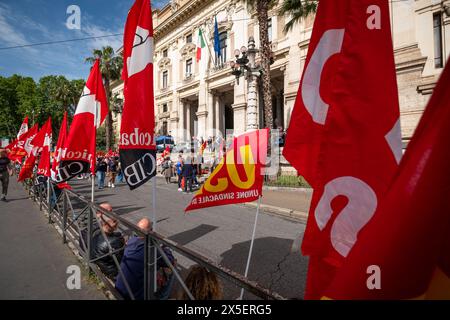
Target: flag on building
<point>59,148</point>
<point>36,144</point>
<point>238,177</point>
<point>79,150</point>
<point>344,134</point>
<point>44,161</point>
<point>217,39</point>
<point>137,148</point>
<point>407,242</point>
<point>23,127</point>
<point>200,45</point>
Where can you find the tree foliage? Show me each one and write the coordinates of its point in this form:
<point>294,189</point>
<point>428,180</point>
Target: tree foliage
<point>50,96</point>
<point>110,67</point>
<point>297,9</point>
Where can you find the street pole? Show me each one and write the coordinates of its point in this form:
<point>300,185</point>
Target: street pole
<point>251,245</point>
<point>252,104</point>
<point>155,260</point>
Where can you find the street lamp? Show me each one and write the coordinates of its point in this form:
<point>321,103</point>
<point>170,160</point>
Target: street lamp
<point>245,64</point>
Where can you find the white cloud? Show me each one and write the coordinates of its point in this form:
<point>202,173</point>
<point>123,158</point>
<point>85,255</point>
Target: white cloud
<point>9,35</point>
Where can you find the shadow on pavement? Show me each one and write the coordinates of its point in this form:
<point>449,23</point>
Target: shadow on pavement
<point>185,237</point>
<point>272,265</point>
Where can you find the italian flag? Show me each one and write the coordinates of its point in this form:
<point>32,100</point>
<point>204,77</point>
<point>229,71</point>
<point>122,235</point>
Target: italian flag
<point>200,45</point>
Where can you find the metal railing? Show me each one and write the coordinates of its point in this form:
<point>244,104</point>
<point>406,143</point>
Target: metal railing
<point>77,219</point>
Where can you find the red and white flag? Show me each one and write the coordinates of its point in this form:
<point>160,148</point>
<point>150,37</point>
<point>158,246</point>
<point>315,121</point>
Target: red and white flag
<point>59,148</point>
<point>404,253</point>
<point>44,161</point>
<point>79,151</point>
<point>23,127</point>
<point>137,148</point>
<point>344,135</point>
<point>36,147</point>
<point>23,145</point>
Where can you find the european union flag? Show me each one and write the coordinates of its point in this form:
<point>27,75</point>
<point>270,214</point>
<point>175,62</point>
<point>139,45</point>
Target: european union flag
<point>216,38</point>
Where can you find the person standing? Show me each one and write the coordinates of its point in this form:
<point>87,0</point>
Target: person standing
<point>167,169</point>
<point>188,173</point>
<point>101,171</point>
<point>112,172</point>
<point>5,172</point>
<point>179,170</point>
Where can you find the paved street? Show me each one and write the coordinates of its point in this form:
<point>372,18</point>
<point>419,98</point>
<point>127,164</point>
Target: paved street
<point>33,258</point>
<point>221,233</point>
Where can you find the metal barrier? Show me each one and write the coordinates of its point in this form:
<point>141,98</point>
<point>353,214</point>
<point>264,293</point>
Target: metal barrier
<point>78,219</point>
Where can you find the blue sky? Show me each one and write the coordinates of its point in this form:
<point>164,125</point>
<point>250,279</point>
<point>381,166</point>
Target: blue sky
<point>34,21</point>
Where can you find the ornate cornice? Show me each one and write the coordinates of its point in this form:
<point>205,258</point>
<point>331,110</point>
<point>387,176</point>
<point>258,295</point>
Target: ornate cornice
<point>164,63</point>
<point>179,16</point>
<point>188,50</point>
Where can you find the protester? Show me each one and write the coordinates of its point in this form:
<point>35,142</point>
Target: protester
<point>203,284</point>
<point>5,172</point>
<point>101,245</point>
<point>179,170</point>
<point>101,171</point>
<point>119,172</point>
<point>111,172</point>
<point>132,267</point>
<point>167,169</point>
<point>188,173</point>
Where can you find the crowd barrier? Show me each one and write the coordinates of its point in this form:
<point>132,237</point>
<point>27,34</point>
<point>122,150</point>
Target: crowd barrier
<point>74,215</point>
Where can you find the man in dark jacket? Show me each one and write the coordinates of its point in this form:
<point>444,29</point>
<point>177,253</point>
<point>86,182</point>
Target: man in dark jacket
<point>132,267</point>
<point>101,245</point>
<point>188,174</point>
<point>5,172</point>
<point>102,167</point>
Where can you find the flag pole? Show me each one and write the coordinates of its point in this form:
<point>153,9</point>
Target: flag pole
<point>92,187</point>
<point>155,269</point>
<point>251,245</point>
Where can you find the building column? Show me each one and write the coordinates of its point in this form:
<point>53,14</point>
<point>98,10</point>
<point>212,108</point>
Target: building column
<point>188,120</point>
<point>239,110</point>
<point>211,129</point>
<point>181,133</point>
<point>218,114</point>
<point>279,110</point>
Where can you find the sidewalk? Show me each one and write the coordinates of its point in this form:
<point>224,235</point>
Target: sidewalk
<point>288,203</point>
<point>34,259</point>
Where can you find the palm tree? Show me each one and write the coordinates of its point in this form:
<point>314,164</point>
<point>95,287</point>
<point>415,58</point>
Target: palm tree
<point>110,66</point>
<point>297,9</point>
<point>262,8</point>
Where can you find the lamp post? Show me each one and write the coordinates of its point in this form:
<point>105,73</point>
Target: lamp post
<point>245,65</point>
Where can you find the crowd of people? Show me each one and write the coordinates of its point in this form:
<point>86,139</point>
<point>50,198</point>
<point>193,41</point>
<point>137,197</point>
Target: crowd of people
<point>122,262</point>
<point>108,168</point>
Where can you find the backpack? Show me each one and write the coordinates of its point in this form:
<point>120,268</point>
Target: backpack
<point>165,165</point>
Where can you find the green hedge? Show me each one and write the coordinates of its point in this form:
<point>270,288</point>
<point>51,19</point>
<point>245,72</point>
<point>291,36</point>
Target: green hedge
<point>290,181</point>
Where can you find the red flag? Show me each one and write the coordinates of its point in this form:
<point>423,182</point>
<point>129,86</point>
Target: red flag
<point>344,135</point>
<point>202,147</point>
<point>59,148</point>
<point>137,148</point>
<point>238,177</point>
<point>23,128</point>
<point>413,253</point>
<point>37,144</point>
<point>44,161</point>
<point>79,151</point>
<point>23,146</point>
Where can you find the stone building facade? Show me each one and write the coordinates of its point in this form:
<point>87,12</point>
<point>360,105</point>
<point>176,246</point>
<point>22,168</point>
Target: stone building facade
<point>200,98</point>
